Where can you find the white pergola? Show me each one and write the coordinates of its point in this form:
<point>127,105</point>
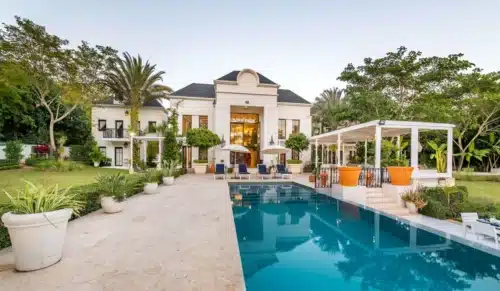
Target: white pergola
<point>145,138</point>
<point>378,129</point>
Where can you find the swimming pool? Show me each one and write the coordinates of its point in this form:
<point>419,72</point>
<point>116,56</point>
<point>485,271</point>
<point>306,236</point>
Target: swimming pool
<point>291,238</point>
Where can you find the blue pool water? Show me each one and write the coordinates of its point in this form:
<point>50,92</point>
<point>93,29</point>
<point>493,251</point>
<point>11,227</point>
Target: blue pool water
<point>291,238</point>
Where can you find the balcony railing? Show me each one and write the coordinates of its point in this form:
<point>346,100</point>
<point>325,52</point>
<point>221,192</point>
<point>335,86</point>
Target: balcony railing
<point>114,133</point>
<point>369,177</point>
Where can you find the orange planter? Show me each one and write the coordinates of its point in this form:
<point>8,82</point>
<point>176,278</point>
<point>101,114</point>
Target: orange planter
<point>400,176</point>
<point>349,176</point>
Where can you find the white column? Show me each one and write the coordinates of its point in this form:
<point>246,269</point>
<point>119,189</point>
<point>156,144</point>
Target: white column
<point>160,153</point>
<point>316,154</point>
<point>339,145</point>
<point>322,154</point>
<point>344,160</point>
<point>131,162</point>
<point>414,148</point>
<point>366,152</point>
<point>328,153</point>
<point>378,145</point>
<point>449,156</point>
<point>399,146</point>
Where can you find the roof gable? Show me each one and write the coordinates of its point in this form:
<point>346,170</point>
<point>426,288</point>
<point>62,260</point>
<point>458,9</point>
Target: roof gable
<point>232,76</point>
<point>196,90</point>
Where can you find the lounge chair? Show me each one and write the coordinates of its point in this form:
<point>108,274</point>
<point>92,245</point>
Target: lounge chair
<point>220,171</point>
<point>468,219</point>
<point>263,173</point>
<point>282,172</point>
<point>243,171</point>
<point>486,229</point>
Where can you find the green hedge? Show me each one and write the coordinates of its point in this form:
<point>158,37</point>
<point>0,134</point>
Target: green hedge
<point>5,163</point>
<point>80,153</point>
<point>58,166</point>
<point>444,202</point>
<point>90,194</point>
<point>471,177</point>
<point>10,167</point>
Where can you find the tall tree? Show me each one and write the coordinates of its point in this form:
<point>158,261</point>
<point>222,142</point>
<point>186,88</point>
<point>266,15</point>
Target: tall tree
<point>55,73</point>
<point>326,108</point>
<point>133,82</point>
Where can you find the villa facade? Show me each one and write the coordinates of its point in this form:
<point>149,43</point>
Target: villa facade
<point>245,108</point>
<point>242,107</point>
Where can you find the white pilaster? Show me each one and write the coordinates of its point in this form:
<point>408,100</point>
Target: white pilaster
<point>449,156</point>
<point>339,145</point>
<point>414,148</point>
<point>315,153</point>
<point>378,145</point>
<point>366,152</point>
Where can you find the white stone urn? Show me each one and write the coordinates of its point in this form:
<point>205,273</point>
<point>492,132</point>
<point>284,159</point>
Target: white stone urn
<point>37,239</point>
<point>150,188</point>
<point>295,168</point>
<point>110,205</point>
<point>411,207</point>
<point>168,180</point>
<point>200,168</point>
<point>96,164</point>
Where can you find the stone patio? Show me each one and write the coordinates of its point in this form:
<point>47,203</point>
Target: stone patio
<point>182,238</point>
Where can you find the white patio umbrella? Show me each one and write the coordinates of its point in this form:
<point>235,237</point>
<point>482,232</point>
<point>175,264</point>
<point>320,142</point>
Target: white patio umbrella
<point>274,149</point>
<point>237,149</point>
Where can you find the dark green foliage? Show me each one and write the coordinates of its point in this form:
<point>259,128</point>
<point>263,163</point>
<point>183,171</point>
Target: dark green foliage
<point>171,148</point>
<point>444,202</point>
<point>472,177</point>
<point>58,166</point>
<point>9,164</point>
<point>9,167</point>
<point>290,161</point>
<point>486,208</point>
<point>14,151</point>
<point>297,142</point>
<point>202,138</point>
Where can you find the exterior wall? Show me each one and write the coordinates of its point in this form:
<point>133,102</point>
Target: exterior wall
<point>297,112</point>
<point>113,113</point>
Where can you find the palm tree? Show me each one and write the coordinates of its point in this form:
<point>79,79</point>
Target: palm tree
<point>325,108</point>
<point>134,82</point>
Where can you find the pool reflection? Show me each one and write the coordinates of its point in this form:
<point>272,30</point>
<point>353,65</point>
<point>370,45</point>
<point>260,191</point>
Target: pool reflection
<point>293,239</point>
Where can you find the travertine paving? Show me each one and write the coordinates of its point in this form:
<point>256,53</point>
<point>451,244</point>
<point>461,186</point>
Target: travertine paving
<point>182,238</point>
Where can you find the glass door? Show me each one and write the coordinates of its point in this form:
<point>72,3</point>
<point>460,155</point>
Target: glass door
<point>119,128</point>
<point>118,156</point>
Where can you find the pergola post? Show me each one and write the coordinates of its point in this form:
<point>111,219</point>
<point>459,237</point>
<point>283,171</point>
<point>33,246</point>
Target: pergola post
<point>378,145</point>
<point>160,150</point>
<point>322,154</point>
<point>399,146</point>
<point>449,156</point>
<point>131,162</point>
<point>366,153</point>
<point>414,148</point>
<point>316,154</point>
<point>339,143</point>
<point>343,154</point>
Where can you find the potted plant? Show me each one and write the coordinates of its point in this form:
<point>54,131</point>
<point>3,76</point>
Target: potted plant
<point>297,142</point>
<point>112,189</point>
<point>440,156</point>
<point>413,199</point>
<point>150,178</point>
<point>169,172</point>
<point>204,139</point>
<point>399,171</point>
<point>97,157</point>
<point>349,176</point>
<point>37,218</point>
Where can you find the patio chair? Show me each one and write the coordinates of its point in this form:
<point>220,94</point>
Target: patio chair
<point>468,218</point>
<point>282,172</point>
<point>220,171</point>
<point>485,229</point>
<point>243,171</point>
<point>263,173</point>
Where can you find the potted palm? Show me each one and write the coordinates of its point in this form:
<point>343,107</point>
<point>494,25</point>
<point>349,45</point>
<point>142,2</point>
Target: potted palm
<point>97,157</point>
<point>297,142</point>
<point>399,171</point>
<point>150,178</point>
<point>413,199</point>
<point>112,189</point>
<point>204,139</point>
<point>169,172</point>
<point>37,218</point>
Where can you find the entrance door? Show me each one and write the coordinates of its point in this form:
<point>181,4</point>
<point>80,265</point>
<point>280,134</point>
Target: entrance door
<point>119,128</point>
<point>186,157</point>
<point>119,156</point>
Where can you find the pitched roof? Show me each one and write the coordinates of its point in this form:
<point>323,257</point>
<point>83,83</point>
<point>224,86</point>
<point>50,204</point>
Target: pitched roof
<point>208,91</point>
<point>148,103</point>
<point>234,74</point>
<point>196,90</point>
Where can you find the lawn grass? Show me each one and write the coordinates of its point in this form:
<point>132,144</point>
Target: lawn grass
<point>13,179</point>
<point>482,189</point>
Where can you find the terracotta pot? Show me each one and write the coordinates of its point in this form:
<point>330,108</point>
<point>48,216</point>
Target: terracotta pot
<point>311,178</point>
<point>323,178</point>
<point>400,176</point>
<point>349,176</point>
<point>211,168</point>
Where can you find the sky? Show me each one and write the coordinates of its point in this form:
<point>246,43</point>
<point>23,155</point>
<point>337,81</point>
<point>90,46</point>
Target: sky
<point>301,45</point>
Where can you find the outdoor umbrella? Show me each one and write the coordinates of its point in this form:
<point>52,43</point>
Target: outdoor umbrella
<point>237,149</point>
<point>274,149</point>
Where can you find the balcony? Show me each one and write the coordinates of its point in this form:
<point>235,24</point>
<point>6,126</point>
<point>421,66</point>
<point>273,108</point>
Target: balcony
<point>114,134</point>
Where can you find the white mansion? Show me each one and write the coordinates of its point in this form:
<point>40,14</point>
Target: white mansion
<point>241,107</point>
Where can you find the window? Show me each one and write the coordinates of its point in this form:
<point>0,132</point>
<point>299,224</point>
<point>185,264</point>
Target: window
<point>102,150</point>
<point>295,155</point>
<point>295,126</point>
<point>204,121</point>
<point>282,129</point>
<point>203,154</point>
<point>187,122</point>
<point>101,125</point>
<point>152,126</point>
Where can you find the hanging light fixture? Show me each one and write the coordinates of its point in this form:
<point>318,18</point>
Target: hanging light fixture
<point>271,142</point>
<point>222,141</point>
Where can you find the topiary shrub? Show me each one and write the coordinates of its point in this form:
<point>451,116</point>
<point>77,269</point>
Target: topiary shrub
<point>202,138</point>
<point>297,142</point>
<point>14,151</point>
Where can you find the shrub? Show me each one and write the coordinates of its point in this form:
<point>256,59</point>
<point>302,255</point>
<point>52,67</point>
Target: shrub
<point>486,208</point>
<point>444,202</point>
<point>415,196</point>
<point>96,156</point>
<point>171,148</point>
<point>112,186</point>
<point>297,142</point>
<point>14,151</point>
<point>58,166</point>
<point>470,177</point>
<point>294,162</point>
<point>9,167</point>
<point>152,176</point>
<point>79,153</point>
<point>200,161</point>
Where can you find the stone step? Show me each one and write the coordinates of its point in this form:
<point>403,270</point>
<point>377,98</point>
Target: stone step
<point>386,205</point>
<point>375,195</point>
<point>377,199</point>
